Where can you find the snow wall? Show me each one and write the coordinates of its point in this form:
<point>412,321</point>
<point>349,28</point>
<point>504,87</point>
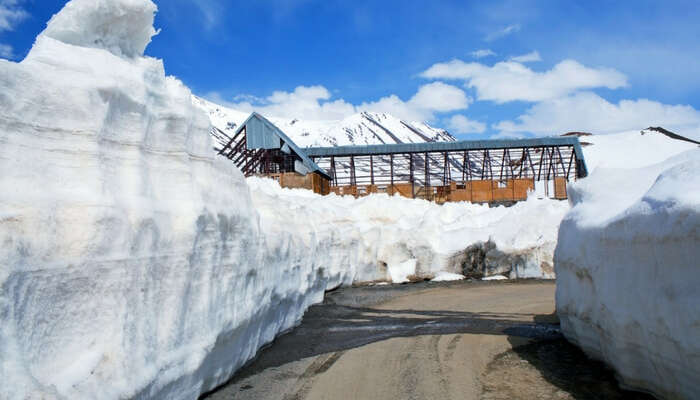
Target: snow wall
<point>628,275</point>
<point>134,264</point>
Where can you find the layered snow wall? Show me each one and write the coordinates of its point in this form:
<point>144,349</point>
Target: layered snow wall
<point>136,265</point>
<point>132,262</point>
<point>628,275</point>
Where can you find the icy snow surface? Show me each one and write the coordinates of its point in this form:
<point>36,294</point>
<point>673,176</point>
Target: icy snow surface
<point>628,275</point>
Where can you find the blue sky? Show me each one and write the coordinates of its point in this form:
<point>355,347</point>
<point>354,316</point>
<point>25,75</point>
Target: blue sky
<point>601,66</point>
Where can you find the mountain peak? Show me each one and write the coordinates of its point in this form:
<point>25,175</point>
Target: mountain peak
<point>358,129</point>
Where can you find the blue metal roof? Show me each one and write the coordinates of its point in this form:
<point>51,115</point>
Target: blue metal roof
<point>450,146</point>
<point>263,134</point>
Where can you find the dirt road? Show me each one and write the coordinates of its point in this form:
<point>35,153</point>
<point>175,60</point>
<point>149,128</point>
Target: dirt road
<point>422,341</point>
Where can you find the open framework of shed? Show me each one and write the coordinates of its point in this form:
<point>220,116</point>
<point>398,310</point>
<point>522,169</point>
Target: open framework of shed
<point>483,171</point>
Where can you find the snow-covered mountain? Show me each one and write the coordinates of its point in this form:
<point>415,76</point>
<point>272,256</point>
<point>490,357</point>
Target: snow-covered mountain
<point>358,129</point>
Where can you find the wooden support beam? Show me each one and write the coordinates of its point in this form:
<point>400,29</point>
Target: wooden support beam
<point>464,166</point>
<point>446,171</point>
<point>469,166</point>
<point>371,169</point>
<point>353,176</point>
<point>413,183</point>
<point>334,173</point>
<point>532,165</point>
<point>425,166</point>
<point>571,159</point>
<point>488,156</point>
<point>503,165</point>
<point>561,160</point>
<point>391,161</point>
<point>510,164</point>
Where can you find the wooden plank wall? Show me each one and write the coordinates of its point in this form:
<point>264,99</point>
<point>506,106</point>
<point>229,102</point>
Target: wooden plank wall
<point>476,191</point>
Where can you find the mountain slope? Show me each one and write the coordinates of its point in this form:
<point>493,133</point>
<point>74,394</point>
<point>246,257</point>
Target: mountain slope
<point>358,129</point>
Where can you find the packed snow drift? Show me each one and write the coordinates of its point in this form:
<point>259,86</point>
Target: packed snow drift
<point>402,239</point>
<point>136,264</point>
<point>628,276</point>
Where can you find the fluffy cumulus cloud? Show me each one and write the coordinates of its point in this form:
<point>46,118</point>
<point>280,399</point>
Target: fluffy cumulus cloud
<point>510,81</point>
<point>587,111</point>
<point>481,53</point>
<point>315,103</point>
<point>462,125</point>
<point>529,57</point>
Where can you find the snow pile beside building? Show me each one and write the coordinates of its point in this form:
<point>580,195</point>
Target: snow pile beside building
<point>400,239</point>
<point>628,276</point>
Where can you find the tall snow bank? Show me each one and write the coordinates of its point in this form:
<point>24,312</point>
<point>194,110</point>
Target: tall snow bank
<point>131,261</point>
<point>628,277</point>
<point>400,239</point>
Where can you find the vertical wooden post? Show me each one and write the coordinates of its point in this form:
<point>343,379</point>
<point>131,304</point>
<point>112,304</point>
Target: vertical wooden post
<point>571,159</point>
<point>371,170</point>
<point>353,177</point>
<point>427,174</point>
<point>334,174</point>
<point>464,168</point>
<point>410,167</point>
<point>391,161</point>
<point>446,171</point>
<point>503,165</point>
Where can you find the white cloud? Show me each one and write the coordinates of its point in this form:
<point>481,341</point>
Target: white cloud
<point>11,14</point>
<point>315,103</point>
<point>6,52</point>
<point>510,81</point>
<point>306,102</point>
<point>510,29</point>
<point>439,97</point>
<point>436,97</point>
<point>589,112</point>
<point>481,53</point>
<point>462,125</point>
<point>529,57</point>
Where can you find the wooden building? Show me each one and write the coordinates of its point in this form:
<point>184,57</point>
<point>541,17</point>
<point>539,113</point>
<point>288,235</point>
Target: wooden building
<point>258,147</point>
<point>481,171</point>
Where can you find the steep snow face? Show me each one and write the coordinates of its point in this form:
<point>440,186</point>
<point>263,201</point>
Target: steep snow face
<point>628,282</point>
<point>132,263</point>
<point>399,239</point>
<point>358,129</point>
